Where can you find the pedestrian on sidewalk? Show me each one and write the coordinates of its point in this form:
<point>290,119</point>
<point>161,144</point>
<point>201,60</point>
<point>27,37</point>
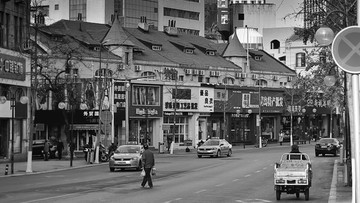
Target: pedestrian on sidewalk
<point>60,148</point>
<point>281,137</point>
<point>46,150</point>
<point>148,162</point>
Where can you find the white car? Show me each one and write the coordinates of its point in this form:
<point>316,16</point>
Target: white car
<point>215,147</point>
<point>126,156</point>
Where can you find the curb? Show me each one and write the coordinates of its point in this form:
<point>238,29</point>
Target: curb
<point>332,195</point>
<point>52,170</point>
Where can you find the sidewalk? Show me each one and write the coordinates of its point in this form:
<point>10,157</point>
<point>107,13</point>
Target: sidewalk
<point>339,193</point>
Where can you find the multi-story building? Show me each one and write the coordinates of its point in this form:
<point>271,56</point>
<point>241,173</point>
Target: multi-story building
<point>189,87</point>
<point>187,15</point>
<point>14,79</point>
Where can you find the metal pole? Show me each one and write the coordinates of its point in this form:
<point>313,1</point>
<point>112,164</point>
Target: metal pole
<point>224,111</point>
<point>291,117</point>
<point>259,121</point>
<point>12,131</point>
<point>356,178</point>
<point>127,123</point>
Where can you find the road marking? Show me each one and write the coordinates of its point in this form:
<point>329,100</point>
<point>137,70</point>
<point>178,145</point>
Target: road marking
<point>264,168</point>
<point>236,180</point>
<point>177,199</point>
<point>258,171</point>
<point>200,191</point>
<point>247,176</point>
<point>253,200</point>
<point>218,185</point>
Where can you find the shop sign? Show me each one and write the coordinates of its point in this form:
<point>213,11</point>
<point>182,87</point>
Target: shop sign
<point>12,67</point>
<point>206,99</point>
<point>91,113</point>
<point>319,103</point>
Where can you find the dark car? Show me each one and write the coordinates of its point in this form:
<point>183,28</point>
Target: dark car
<point>327,146</point>
<point>38,149</point>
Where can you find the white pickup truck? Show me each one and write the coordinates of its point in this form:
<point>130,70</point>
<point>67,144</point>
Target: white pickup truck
<point>293,175</point>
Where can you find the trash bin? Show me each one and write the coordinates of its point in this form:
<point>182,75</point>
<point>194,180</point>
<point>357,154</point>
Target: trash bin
<point>161,147</point>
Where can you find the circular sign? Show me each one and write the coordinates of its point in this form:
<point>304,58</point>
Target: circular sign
<point>346,49</point>
<point>106,117</point>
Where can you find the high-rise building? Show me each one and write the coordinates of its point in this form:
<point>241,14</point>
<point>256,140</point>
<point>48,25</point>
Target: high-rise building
<point>186,15</point>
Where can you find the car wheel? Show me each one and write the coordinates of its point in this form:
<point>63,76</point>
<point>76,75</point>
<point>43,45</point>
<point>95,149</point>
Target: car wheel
<point>335,153</point>
<point>112,169</point>
<point>278,194</point>
<point>323,154</point>
<point>218,153</point>
<point>306,194</point>
<point>229,153</point>
<point>297,194</point>
<point>199,156</point>
<point>316,154</point>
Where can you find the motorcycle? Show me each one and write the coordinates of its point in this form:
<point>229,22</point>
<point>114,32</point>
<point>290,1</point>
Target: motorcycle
<point>103,154</point>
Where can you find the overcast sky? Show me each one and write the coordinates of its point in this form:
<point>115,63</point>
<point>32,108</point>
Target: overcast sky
<point>285,7</point>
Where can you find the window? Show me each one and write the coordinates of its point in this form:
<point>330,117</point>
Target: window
<point>275,44</point>
<point>77,7</point>
<point>145,95</point>
<point>245,100</point>
<point>181,13</point>
<point>148,74</point>
<point>229,81</point>
<point>126,58</point>
<point>180,130</point>
<point>56,7</point>
<point>241,16</point>
<point>300,59</point>
<point>200,79</point>
<point>207,80</point>
<point>181,78</point>
<point>262,83</point>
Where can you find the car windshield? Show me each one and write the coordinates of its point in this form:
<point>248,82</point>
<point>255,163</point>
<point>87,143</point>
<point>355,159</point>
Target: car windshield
<point>128,149</point>
<point>331,141</point>
<point>211,142</point>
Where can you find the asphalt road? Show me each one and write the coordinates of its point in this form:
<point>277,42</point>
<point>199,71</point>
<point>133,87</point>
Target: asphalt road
<point>246,176</point>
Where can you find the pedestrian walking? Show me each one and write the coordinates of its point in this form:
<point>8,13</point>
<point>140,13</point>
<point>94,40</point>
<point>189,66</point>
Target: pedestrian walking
<point>281,137</point>
<point>148,162</point>
<point>60,148</point>
<point>46,150</point>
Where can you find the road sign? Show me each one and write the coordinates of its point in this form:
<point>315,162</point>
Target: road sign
<point>346,49</point>
<point>106,117</point>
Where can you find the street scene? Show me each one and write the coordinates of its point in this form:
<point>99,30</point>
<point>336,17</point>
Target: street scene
<point>179,101</point>
<point>246,176</point>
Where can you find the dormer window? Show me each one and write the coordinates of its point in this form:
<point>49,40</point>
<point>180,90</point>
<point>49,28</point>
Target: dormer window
<point>210,53</point>
<point>257,58</point>
<point>96,48</point>
<point>189,51</point>
<point>156,47</point>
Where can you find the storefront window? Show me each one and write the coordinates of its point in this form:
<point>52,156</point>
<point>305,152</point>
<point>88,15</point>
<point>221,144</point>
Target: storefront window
<point>145,95</point>
<point>181,128</point>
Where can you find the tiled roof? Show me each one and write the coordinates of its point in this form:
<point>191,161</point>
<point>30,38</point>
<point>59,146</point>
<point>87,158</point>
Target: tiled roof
<point>267,63</point>
<point>172,54</point>
<point>235,48</point>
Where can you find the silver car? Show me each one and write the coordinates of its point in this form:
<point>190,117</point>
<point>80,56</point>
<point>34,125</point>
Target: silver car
<point>126,156</point>
<point>215,147</point>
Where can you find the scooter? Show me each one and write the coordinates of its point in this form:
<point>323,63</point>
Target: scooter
<point>103,154</point>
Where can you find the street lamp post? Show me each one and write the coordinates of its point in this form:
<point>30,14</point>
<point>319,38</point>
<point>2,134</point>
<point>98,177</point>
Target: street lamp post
<point>23,100</point>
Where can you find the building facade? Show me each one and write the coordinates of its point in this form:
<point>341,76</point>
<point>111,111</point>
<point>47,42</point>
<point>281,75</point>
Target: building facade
<point>14,79</point>
<point>187,15</point>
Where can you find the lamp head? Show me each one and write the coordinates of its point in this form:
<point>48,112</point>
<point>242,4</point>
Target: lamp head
<point>324,36</point>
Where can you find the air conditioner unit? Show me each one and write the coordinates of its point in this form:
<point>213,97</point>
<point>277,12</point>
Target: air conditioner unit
<point>212,73</point>
<point>217,73</point>
<point>201,72</point>
<point>195,72</point>
<point>289,79</point>
<point>188,71</point>
<point>137,68</point>
<point>255,76</point>
<point>275,77</point>
<point>237,75</point>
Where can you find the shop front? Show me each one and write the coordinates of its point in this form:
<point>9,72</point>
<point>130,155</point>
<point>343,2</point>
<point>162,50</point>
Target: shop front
<point>185,115</point>
<point>145,113</point>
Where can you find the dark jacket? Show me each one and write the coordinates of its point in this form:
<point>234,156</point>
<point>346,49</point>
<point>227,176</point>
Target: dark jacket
<point>148,160</point>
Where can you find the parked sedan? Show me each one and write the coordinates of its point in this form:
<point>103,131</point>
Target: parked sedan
<point>327,146</point>
<point>126,156</point>
<point>215,147</point>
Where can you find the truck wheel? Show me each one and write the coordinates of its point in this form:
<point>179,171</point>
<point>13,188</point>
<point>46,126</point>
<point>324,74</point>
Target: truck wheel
<point>307,194</point>
<point>278,194</point>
